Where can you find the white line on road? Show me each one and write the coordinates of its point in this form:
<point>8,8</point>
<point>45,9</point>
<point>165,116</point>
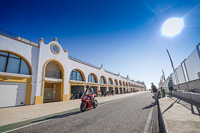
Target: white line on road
<point>25,126</point>
<point>148,123</point>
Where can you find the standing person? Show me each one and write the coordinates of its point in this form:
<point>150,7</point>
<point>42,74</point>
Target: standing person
<point>112,92</point>
<point>163,92</point>
<point>170,86</point>
<point>155,91</point>
<point>99,92</point>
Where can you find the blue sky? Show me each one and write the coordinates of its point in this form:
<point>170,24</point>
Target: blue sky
<point>123,35</point>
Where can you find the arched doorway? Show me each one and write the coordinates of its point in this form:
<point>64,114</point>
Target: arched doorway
<point>93,82</point>
<point>110,85</point>
<point>53,82</point>
<point>121,88</point>
<point>116,86</point>
<point>77,84</point>
<point>103,84</point>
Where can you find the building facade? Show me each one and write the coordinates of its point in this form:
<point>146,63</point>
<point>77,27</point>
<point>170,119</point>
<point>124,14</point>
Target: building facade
<point>36,73</point>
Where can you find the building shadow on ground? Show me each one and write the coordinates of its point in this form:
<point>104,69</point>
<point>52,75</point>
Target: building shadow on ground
<point>190,105</point>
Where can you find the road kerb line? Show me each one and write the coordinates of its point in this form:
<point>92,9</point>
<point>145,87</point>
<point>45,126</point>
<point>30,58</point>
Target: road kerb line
<point>148,123</point>
<point>25,126</point>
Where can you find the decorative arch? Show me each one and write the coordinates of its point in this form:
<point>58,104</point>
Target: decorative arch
<point>82,74</point>
<point>63,77</point>
<point>116,81</point>
<point>29,65</point>
<point>123,83</point>
<point>95,77</point>
<point>111,80</point>
<point>120,82</point>
<point>126,84</point>
<point>104,79</point>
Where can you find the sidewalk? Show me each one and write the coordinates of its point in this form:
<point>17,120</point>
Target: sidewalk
<point>23,113</point>
<point>180,115</point>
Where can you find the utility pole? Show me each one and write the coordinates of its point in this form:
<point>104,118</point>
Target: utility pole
<point>173,68</point>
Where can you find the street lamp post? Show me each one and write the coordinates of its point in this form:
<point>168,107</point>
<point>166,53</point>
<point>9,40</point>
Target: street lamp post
<point>173,68</point>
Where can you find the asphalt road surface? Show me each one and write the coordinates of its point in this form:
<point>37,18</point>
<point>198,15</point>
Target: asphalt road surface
<point>128,115</point>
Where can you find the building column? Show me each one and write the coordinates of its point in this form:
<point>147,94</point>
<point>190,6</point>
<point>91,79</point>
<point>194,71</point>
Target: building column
<point>28,91</point>
<point>107,88</point>
<point>98,88</point>
<point>97,91</point>
<point>69,92</point>
<point>84,87</point>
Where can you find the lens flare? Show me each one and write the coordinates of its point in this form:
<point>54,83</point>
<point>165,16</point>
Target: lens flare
<point>172,27</point>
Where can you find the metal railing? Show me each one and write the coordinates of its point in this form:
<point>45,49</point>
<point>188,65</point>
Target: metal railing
<point>186,76</point>
<point>123,77</point>
<point>52,74</point>
<point>110,72</point>
<point>84,62</point>
<point>14,36</point>
<point>89,64</point>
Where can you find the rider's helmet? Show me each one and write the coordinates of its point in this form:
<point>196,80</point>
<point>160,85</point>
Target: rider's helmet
<point>87,86</point>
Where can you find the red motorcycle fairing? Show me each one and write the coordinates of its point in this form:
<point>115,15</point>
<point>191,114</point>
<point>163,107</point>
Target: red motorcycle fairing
<point>87,102</point>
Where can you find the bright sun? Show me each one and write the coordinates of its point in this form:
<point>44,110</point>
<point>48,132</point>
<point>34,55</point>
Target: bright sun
<point>172,27</point>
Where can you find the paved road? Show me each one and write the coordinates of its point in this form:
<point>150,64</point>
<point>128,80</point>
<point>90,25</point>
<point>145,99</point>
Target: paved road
<point>123,116</point>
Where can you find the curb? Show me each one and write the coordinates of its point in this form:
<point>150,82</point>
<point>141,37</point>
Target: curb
<point>161,121</point>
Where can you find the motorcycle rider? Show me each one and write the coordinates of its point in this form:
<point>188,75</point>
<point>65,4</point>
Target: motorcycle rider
<point>90,91</point>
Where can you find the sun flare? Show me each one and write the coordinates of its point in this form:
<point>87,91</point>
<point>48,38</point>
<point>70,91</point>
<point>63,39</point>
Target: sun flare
<point>172,27</point>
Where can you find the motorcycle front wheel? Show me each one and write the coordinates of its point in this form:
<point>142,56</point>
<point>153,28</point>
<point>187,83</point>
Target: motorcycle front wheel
<point>95,103</point>
<point>83,107</point>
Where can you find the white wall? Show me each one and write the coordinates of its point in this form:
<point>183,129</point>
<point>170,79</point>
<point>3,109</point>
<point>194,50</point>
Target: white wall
<point>46,54</point>
<point>27,51</point>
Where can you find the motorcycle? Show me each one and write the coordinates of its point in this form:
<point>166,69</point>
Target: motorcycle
<point>86,102</point>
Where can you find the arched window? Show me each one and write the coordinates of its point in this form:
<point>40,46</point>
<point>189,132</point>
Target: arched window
<point>76,75</point>
<point>115,82</point>
<point>91,78</point>
<point>53,70</point>
<point>13,64</point>
<point>109,81</point>
<point>102,81</point>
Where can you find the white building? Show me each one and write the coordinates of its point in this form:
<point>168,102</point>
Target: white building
<point>35,73</point>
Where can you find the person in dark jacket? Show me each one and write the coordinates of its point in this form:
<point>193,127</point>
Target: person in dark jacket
<point>155,91</point>
<point>170,86</point>
<point>112,92</point>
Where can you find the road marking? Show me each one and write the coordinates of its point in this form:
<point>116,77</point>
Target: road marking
<point>148,123</point>
<point>25,126</point>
